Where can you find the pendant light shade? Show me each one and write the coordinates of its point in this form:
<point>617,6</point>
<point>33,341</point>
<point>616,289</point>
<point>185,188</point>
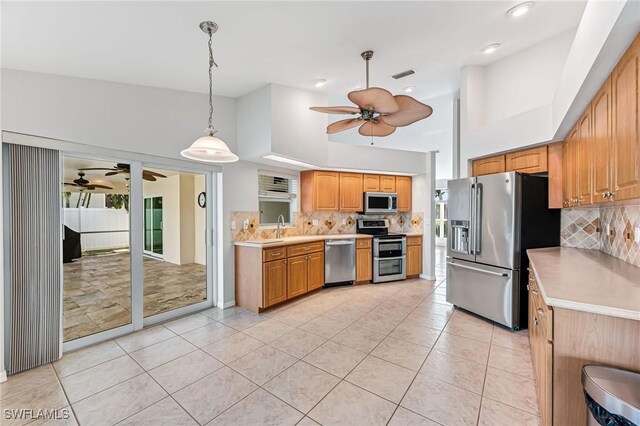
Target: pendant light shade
<point>210,148</point>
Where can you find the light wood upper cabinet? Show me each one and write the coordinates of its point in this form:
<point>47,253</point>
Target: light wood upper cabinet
<point>570,174</point>
<point>371,183</point>
<point>554,163</point>
<point>583,158</point>
<point>274,275</point>
<point>489,165</point>
<point>626,125</point>
<point>601,144</point>
<point>403,188</point>
<point>319,191</point>
<point>315,271</point>
<point>351,198</point>
<point>387,183</point>
<point>532,160</point>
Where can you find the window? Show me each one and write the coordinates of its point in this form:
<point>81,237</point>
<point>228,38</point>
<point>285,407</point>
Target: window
<point>276,196</point>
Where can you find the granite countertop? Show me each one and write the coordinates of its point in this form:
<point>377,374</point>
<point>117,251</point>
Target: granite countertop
<point>297,239</point>
<point>587,280</point>
<point>307,239</point>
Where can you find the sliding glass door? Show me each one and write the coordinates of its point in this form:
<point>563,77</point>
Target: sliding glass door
<point>153,225</point>
<point>137,246</point>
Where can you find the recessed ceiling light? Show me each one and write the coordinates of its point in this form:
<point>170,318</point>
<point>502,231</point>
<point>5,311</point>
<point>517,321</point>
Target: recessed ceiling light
<point>409,89</point>
<point>320,83</point>
<point>520,9</point>
<point>487,50</point>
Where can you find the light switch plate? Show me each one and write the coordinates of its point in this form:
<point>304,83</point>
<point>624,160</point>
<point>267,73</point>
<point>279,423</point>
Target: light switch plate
<point>245,224</point>
<point>344,221</point>
<point>233,225</point>
<point>636,235</point>
<point>315,222</point>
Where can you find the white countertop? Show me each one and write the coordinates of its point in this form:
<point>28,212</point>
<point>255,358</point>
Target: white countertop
<point>277,242</point>
<point>587,280</point>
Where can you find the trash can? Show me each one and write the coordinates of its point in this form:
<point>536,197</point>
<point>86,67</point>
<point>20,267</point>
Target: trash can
<point>612,396</point>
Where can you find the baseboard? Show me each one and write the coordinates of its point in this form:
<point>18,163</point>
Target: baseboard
<point>224,305</point>
<point>428,277</point>
<point>3,376</point>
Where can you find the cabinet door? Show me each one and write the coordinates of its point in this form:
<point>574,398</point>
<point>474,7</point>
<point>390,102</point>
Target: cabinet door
<point>371,183</point>
<point>326,188</point>
<point>414,260</point>
<point>315,271</point>
<point>583,157</point>
<point>351,192</point>
<point>387,183</point>
<point>403,188</point>
<point>626,125</point>
<point>364,264</point>
<point>532,160</point>
<point>296,276</point>
<point>570,171</point>
<point>274,282</point>
<point>601,143</point>
<point>489,165</point>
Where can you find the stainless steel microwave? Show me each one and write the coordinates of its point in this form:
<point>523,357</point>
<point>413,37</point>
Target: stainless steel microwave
<point>380,202</point>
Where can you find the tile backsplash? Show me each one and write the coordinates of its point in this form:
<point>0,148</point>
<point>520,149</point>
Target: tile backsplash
<point>333,223</point>
<point>587,228</point>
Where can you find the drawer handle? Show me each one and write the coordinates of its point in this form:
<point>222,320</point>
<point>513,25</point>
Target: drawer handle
<point>275,254</point>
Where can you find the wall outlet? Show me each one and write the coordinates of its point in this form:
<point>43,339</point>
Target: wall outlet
<point>233,225</point>
<point>315,222</point>
<point>607,229</point>
<point>245,224</point>
<point>636,235</point>
<point>344,221</point>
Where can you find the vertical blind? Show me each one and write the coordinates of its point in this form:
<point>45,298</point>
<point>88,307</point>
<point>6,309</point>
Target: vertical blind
<point>35,256</point>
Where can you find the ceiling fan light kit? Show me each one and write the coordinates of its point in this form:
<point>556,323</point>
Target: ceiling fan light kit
<point>379,112</point>
<point>210,148</point>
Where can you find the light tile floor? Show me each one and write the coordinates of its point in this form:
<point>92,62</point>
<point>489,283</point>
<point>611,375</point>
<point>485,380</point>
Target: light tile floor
<point>393,354</point>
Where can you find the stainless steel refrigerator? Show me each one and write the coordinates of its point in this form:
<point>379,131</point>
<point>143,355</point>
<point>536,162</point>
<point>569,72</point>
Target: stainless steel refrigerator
<point>492,221</point>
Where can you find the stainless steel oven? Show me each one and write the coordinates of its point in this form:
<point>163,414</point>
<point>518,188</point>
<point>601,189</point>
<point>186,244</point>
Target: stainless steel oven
<point>380,202</point>
<point>389,258</point>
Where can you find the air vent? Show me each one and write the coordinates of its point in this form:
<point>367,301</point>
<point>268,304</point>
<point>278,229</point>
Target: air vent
<point>403,74</point>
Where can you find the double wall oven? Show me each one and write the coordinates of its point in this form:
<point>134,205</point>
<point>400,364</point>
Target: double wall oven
<point>389,250</point>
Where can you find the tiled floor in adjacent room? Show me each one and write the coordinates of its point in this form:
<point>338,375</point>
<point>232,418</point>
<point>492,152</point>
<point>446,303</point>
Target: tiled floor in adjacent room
<point>394,354</point>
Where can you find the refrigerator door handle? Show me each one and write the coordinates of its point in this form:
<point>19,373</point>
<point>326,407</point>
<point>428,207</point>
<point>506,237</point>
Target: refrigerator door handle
<point>477,235</point>
<point>499,274</point>
<point>472,222</point>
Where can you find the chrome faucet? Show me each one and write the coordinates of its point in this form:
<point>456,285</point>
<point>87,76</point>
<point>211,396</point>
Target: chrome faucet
<point>278,230</point>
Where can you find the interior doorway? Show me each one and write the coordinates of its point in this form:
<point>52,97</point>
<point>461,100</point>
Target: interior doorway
<point>153,241</point>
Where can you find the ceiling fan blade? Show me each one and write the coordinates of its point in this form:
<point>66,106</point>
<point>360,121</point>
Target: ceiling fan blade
<point>376,128</point>
<point>341,125</point>
<point>376,98</point>
<point>152,173</point>
<point>149,177</point>
<point>94,186</point>
<point>115,172</point>
<point>410,111</point>
<point>337,110</point>
<point>71,184</point>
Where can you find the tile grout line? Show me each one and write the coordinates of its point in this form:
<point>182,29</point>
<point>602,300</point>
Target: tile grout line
<point>65,395</point>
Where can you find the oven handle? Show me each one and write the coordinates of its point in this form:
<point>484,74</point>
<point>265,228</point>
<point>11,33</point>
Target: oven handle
<point>499,274</point>
<point>390,258</point>
<point>389,240</point>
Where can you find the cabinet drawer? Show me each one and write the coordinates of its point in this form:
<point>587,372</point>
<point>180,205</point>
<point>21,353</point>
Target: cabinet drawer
<point>414,241</point>
<point>306,248</point>
<point>275,253</point>
<point>363,243</point>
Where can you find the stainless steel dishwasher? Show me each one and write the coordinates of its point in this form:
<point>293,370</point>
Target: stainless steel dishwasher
<point>339,261</point>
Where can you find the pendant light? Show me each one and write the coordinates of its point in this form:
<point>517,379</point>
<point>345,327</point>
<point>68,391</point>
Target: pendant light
<point>210,148</point>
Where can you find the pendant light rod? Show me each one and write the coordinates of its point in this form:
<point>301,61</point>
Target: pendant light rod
<point>367,55</point>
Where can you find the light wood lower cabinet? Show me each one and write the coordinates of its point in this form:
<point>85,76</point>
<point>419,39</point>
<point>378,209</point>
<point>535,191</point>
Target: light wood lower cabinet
<point>565,340</point>
<point>266,277</point>
<point>364,260</point>
<point>414,256</point>
<point>296,276</point>
<point>274,277</point>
